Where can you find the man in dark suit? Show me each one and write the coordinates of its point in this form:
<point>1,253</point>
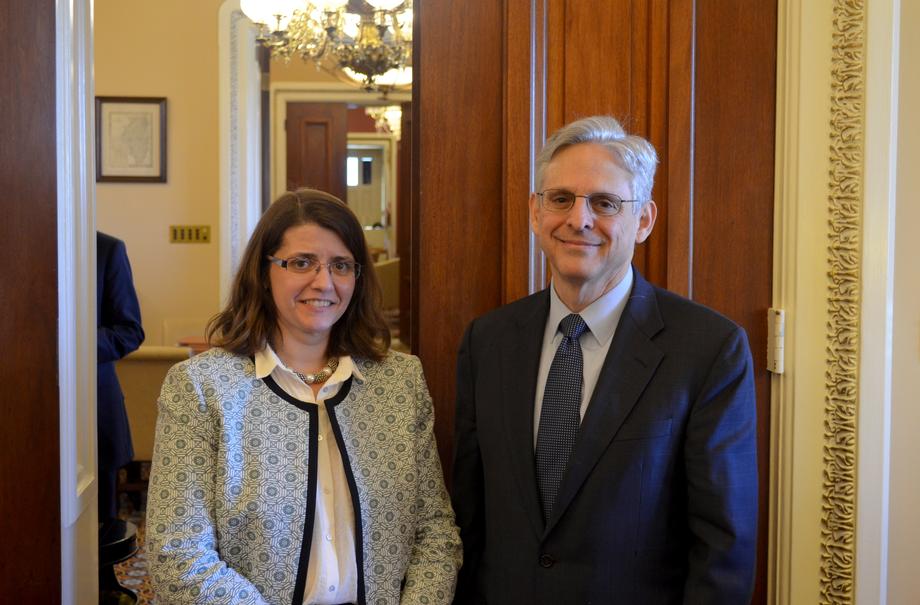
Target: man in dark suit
<point>118,332</point>
<point>605,428</point>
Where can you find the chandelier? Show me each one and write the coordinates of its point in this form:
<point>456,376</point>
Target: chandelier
<point>367,41</point>
<point>387,118</point>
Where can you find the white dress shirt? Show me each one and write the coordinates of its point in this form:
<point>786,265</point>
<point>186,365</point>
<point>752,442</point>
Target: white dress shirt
<point>602,317</point>
<point>332,576</point>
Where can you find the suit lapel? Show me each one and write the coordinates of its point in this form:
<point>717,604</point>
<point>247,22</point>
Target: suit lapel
<point>630,364</point>
<point>520,360</point>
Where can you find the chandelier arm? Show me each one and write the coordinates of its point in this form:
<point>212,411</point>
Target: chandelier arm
<point>378,45</point>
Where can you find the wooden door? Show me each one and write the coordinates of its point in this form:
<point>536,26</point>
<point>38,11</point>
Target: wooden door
<point>317,143</point>
<point>731,242</point>
<point>695,77</point>
<point>30,552</point>
<point>404,225</point>
<point>457,189</point>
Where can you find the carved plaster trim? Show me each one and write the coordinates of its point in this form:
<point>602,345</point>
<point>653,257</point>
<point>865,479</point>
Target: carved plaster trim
<point>239,137</point>
<point>838,517</point>
<point>233,207</point>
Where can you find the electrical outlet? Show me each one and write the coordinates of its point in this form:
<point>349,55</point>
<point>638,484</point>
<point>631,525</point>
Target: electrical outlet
<point>189,234</point>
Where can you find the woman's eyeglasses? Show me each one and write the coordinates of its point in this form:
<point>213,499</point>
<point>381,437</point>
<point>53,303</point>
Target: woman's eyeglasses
<point>305,264</point>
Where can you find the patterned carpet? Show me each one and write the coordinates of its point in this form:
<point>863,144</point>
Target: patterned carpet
<point>132,487</point>
<point>132,574</point>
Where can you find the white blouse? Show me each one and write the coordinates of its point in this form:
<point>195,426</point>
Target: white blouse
<point>332,576</point>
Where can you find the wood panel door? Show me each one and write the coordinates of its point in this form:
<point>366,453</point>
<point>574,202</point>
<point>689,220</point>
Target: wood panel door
<point>405,225</point>
<point>317,144</point>
<point>457,192</point>
<point>731,242</point>
<point>30,499</point>
<point>695,77</point>
<point>636,67</point>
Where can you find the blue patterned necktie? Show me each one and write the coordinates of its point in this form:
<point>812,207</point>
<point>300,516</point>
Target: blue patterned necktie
<point>559,416</point>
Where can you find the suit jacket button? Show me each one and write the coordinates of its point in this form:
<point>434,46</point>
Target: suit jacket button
<point>547,561</point>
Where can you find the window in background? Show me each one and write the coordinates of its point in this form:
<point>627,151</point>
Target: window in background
<point>351,172</point>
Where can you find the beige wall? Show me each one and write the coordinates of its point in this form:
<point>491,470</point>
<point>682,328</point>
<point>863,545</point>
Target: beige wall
<point>298,70</point>
<point>904,531</point>
<point>166,49</point>
<point>170,49</point>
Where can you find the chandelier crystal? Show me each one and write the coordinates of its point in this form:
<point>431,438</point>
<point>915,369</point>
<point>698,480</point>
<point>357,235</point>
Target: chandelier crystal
<point>387,118</point>
<point>367,41</point>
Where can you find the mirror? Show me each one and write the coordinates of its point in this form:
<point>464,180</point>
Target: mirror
<point>182,284</point>
<point>331,136</point>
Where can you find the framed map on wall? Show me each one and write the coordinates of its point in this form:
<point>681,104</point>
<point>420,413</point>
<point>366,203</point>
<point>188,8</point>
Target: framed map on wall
<point>131,139</point>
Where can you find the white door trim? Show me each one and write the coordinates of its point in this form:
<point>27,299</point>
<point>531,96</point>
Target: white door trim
<point>833,274</point>
<point>239,126</point>
<point>76,270</point>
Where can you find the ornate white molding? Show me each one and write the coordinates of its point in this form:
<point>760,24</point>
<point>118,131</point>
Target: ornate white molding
<point>239,135</point>
<point>838,518</point>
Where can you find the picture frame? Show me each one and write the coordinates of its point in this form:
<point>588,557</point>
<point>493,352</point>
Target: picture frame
<point>130,139</point>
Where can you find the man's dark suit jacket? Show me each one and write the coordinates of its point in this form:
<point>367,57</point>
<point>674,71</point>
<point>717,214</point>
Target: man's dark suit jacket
<point>118,332</point>
<point>659,501</point>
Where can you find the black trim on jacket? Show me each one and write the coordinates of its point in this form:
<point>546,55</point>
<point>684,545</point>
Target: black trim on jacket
<point>312,480</point>
<point>353,488</point>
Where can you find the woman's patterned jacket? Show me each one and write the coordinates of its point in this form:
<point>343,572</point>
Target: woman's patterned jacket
<point>233,485</point>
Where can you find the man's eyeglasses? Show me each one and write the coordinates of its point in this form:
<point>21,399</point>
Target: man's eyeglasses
<point>305,264</point>
<point>602,204</point>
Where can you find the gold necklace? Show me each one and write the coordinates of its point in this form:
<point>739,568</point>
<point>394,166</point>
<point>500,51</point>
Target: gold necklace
<point>322,375</point>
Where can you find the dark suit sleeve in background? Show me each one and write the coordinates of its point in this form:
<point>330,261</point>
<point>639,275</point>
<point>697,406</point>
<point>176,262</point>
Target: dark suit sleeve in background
<point>119,331</point>
<point>720,453</point>
<point>467,489</point>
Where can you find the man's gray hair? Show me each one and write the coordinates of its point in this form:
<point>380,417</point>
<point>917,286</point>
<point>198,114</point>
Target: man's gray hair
<point>634,154</point>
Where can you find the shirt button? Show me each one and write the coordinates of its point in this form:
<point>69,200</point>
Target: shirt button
<point>320,437</point>
<point>332,588</point>
<point>329,537</point>
<point>547,561</point>
<point>327,491</point>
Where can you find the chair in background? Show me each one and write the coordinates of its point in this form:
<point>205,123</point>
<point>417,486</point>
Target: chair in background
<point>388,275</point>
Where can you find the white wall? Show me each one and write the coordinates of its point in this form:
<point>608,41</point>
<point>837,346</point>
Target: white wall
<point>904,535</point>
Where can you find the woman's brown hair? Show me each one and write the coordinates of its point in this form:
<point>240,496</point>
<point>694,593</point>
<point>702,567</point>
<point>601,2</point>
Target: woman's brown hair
<point>250,319</point>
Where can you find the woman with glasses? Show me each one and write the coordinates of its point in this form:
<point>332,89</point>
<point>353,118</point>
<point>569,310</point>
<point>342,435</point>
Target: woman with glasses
<point>295,460</point>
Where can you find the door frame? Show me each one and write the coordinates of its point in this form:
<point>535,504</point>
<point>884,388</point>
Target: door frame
<point>387,144</point>
<point>283,93</point>
<point>76,292</point>
<point>239,137</point>
<point>834,276</point>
